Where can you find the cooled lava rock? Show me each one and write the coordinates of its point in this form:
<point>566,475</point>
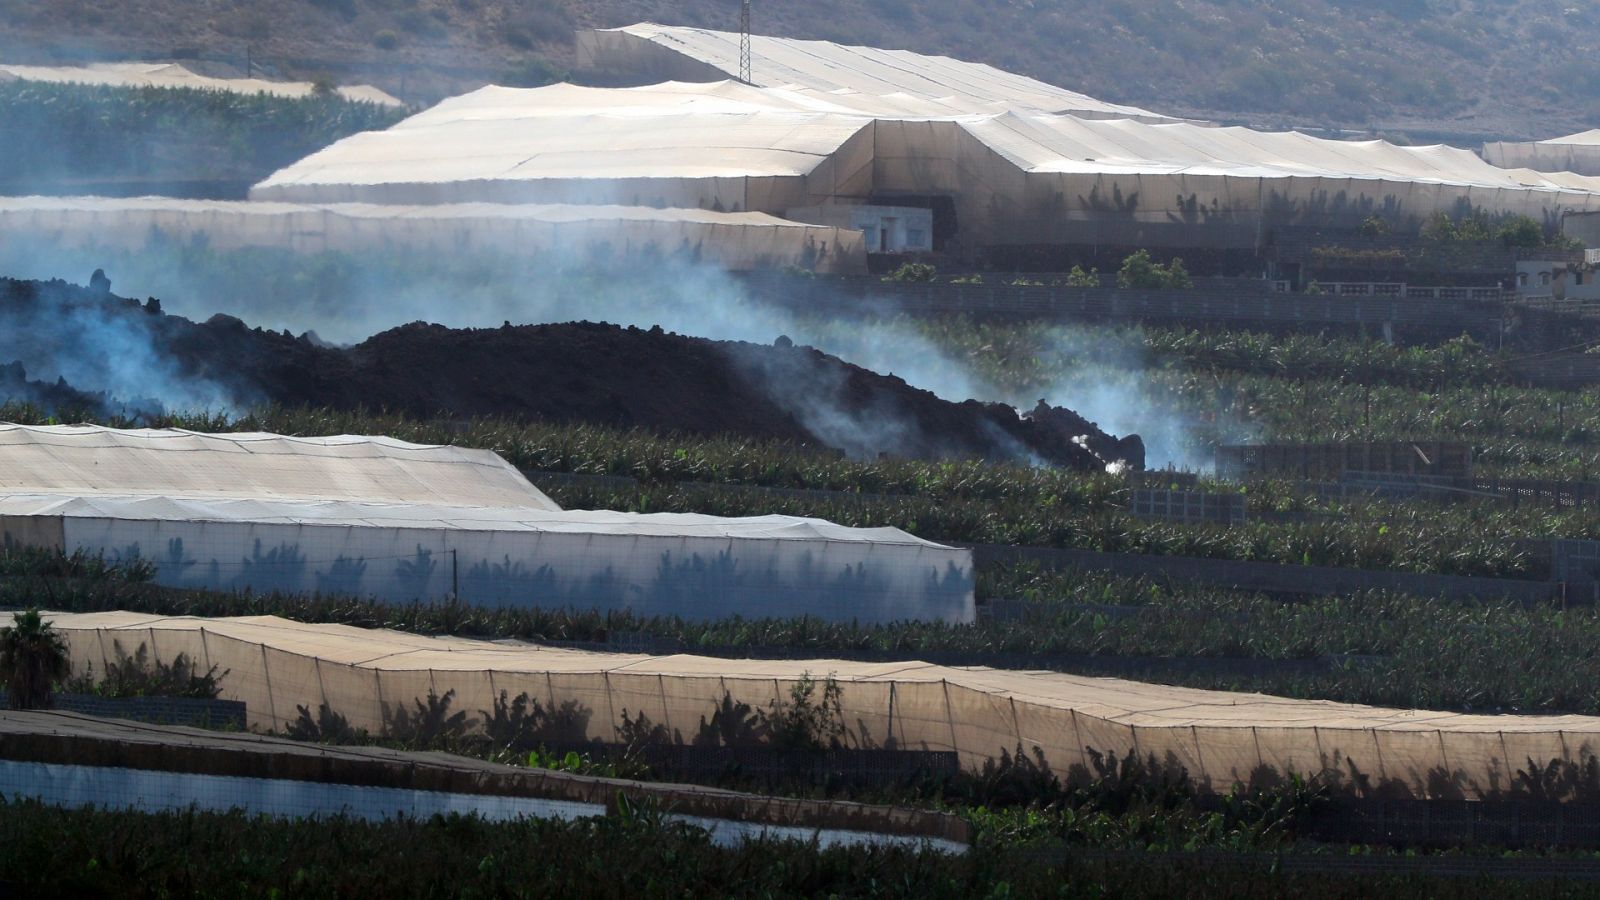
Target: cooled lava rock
<point>570,373</point>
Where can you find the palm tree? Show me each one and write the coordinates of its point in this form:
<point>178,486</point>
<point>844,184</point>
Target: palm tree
<point>33,657</point>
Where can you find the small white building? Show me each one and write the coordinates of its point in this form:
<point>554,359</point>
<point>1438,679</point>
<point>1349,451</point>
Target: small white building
<point>1558,279</point>
<point>1536,277</point>
<point>886,229</point>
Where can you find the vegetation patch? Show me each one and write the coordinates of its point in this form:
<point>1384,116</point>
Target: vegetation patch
<point>141,138</point>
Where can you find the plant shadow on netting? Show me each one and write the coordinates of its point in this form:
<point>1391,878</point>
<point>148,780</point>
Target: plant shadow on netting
<point>798,745</point>
<point>798,737</point>
<point>141,676</point>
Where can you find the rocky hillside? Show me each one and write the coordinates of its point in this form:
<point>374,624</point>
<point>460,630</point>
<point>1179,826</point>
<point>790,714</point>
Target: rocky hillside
<point>1412,68</point>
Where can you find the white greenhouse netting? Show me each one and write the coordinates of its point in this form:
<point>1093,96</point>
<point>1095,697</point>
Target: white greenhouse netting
<point>171,75</point>
<point>85,461</point>
<point>696,567</point>
<point>1015,177</point>
<point>277,666</point>
<point>1576,153</point>
<point>1060,179</point>
<point>600,234</point>
<point>718,147</point>
<point>867,78</point>
<point>376,517</point>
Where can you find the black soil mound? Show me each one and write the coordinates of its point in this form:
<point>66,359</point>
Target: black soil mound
<point>579,372</point>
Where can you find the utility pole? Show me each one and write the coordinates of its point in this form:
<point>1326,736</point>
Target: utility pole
<point>744,41</point>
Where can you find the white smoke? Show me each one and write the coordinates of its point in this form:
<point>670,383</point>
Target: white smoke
<point>96,349</point>
<point>346,299</point>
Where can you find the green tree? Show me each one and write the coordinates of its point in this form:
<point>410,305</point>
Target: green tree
<point>1439,227</point>
<point>33,657</point>
<point>1471,227</point>
<point>1140,272</point>
<point>1178,276</point>
<point>1521,231</point>
<point>913,272</point>
<point>1080,279</point>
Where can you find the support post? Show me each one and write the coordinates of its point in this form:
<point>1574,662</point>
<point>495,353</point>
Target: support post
<point>744,41</point>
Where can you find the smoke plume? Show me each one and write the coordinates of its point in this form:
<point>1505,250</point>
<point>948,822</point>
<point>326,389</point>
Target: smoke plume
<point>344,299</point>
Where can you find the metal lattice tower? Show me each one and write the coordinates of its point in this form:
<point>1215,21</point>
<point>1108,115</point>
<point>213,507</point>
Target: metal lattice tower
<point>744,41</point>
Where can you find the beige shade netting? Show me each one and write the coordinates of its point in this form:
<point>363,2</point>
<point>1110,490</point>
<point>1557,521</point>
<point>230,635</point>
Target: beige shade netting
<point>277,666</point>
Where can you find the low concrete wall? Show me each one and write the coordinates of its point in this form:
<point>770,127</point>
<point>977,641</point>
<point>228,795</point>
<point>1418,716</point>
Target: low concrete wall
<point>190,711</point>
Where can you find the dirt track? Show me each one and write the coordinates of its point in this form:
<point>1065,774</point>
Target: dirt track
<point>580,372</point>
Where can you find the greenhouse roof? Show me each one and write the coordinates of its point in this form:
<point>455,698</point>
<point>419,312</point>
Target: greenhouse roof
<point>89,461</point>
<point>869,79</point>
<point>347,514</point>
<point>727,130</point>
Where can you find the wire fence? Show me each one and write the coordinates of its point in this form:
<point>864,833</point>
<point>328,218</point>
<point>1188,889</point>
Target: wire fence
<point>1334,459</point>
<point>1189,506</point>
<point>855,295</point>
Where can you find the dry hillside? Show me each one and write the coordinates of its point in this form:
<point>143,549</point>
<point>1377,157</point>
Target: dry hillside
<point>1462,68</point>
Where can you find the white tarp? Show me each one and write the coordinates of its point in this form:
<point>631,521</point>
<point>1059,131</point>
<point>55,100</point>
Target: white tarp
<point>1016,177</point>
<point>1576,153</point>
<point>868,79</point>
<point>171,75</point>
<point>1221,738</point>
<point>700,568</point>
<point>87,461</point>
<point>736,241</point>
